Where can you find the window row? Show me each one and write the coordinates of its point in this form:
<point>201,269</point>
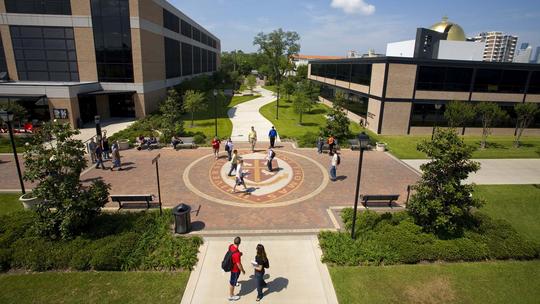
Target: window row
<point>426,114</point>
<point>354,103</point>
<point>356,73</point>
<point>171,21</point>
<point>45,53</point>
<point>194,33</point>
<point>183,59</point>
<point>47,7</point>
<point>3,65</point>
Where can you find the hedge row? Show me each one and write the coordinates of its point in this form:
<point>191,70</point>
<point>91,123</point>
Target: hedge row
<point>141,241</point>
<point>395,239</point>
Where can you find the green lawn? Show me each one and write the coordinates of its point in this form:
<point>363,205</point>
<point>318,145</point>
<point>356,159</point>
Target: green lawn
<point>204,120</point>
<point>403,146</point>
<point>485,282</point>
<point>5,144</point>
<point>518,204</point>
<point>288,123</point>
<point>9,203</point>
<point>93,287</point>
<point>272,88</point>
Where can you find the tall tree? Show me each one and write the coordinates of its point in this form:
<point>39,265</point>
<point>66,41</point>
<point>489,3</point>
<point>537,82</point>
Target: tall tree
<point>459,114</point>
<point>301,101</point>
<point>194,102</point>
<point>171,111</point>
<point>289,87</point>
<point>251,82</point>
<point>19,112</point>
<point>525,112</point>
<point>278,46</point>
<point>337,123</point>
<point>490,114</point>
<point>442,202</point>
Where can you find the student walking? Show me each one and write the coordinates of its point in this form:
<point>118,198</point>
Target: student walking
<point>116,157</point>
<point>233,263</point>
<point>106,148</point>
<point>99,157</point>
<point>92,150</point>
<point>269,158</point>
<point>272,135</point>
<point>320,144</point>
<point>333,165</point>
<point>261,261</point>
<point>234,162</point>
<point>239,176</point>
<point>215,146</point>
<point>229,148</point>
<point>252,138</point>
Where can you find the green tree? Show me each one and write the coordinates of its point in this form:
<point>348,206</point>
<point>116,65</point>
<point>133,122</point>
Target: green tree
<point>278,46</point>
<point>251,82</point>
<point>442,202</point>
<point>235,79</point>
<point>194,102</point>
<point>301,72</point>
<point>301,101</point>
<point>459,114</point>
<point>19,112</point>
<point>171,111</point>
<point>525,112</point>
<point>288,87</point>
<point>490,114</point>
<point>337,123</point>
<point>55,161</point>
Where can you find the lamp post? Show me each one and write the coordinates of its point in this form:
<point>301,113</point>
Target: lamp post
<point>363,141</point>
<point>438,106</point>
<point>8,118</point>
<point>215,110</point>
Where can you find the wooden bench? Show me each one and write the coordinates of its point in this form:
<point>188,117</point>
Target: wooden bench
<point>187,143</point>
<point>133,199</point>
<point>390,198</point>
<point>326,147</point>
<point>139,145</point>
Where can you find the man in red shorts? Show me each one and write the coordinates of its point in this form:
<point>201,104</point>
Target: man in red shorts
<point>237,267</point>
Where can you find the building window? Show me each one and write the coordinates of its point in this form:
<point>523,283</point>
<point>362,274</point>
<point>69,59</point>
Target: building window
<point>45,53</point>
<point>171,21</point>
<point>46,7</point>
<point>361,74</point>
<point>425,114</point>
<point>196,34</point>
<point>204,38</point>
<point>3,65</point>
<point>172,58</point>
<point>344,72</point>
<point>534,84</point>
<point>196,60</point>
<point>187,59</point>
<point>186,29</point>
<point>214,62</point>
<point>112,39</point>
<point>444,79</point>
<point>204,67</point>
<point>500,81</point>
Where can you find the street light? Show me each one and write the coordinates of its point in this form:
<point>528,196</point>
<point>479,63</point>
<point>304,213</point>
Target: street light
<point>215,109</point>
<point>8,118</point>
<point>438,106</point>
<point>363,141</point>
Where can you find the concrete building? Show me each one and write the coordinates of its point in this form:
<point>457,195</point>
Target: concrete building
<point>399,95</point>
<point>499,47</point>
<point>299,59</point>
<point>73,59</point>
<point>523,54</point>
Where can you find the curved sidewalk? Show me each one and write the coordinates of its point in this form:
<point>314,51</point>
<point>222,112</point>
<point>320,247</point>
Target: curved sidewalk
<point>247,114</point>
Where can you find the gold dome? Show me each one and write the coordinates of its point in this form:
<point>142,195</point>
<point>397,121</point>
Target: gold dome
<point>455,32</point>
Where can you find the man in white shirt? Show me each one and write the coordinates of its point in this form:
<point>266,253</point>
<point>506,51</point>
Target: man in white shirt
<point>269,158</point>
<point>252,138</point>
<point>333,166</point>
<point>239,176</point>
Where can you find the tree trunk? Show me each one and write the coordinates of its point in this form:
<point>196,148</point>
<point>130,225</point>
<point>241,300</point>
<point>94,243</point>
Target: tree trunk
<point>192,114</point>
<point>300,118</point>
<point>519,132</point>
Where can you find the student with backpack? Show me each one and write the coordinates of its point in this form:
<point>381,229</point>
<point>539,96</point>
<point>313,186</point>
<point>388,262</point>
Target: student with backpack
<point>229,148</point>
<point>336,160</point>
<point>270,158</point>
<point>232,262</point>
<point>261,262</point>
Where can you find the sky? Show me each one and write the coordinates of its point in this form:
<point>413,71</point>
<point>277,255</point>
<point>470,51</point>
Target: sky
<point>332,27</point>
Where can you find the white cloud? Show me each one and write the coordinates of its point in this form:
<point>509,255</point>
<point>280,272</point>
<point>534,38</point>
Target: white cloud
<point>354,6</point>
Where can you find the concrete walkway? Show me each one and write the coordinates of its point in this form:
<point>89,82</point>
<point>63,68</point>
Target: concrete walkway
<point>498,171</point>
<point>247,114</point>
<point>110,126</point>
<point>296,274</point>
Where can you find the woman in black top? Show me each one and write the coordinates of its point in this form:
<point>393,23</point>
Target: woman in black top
<point>262,262</point>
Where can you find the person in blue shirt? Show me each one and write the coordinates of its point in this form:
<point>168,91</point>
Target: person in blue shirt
<point>272,135</point>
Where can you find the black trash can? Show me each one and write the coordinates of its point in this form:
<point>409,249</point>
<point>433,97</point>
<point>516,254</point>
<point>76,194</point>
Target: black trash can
<point>182,218</point>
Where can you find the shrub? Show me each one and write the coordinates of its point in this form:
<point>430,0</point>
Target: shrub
<point>110,253</point>
<point>14,227</point>
<point>32,254</point>
<point>307,140</point>
<point>5,259</point>
<point>199,139</point>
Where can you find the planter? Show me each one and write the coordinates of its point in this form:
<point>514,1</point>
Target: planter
<point>380,147</point>
<point>29,201</point>
<point>123,144</point>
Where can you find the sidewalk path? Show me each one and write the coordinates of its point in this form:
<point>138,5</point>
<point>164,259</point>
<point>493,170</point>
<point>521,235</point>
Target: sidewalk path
<point>247,114</point>
<point>296,274</point>
<point>110,126</point>
<point>498,171</point>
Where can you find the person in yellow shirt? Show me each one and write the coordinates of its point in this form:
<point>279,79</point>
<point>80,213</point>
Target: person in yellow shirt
<point>252,138</point>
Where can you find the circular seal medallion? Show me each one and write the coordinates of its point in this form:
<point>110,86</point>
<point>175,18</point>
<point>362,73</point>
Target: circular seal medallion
<point>262,185</point>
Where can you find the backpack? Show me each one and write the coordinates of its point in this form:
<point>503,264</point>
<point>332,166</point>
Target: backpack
<point>227,148</point>
<point>227,263</point>
<point>338,159</point>
<point>273,154</point>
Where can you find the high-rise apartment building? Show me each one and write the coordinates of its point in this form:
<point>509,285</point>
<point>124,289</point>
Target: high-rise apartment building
<point>523,54</point>
<point>500,47</point>
<point>73,59</point>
